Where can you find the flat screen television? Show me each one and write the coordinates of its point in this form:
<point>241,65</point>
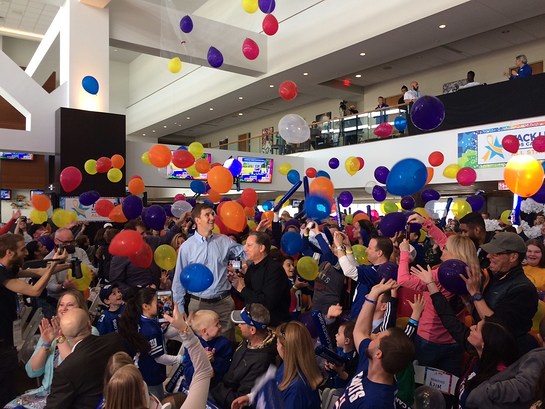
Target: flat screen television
<point>256,170</point>
<point>16,155</point>
<point>5,194</point>
<point>182,174</point>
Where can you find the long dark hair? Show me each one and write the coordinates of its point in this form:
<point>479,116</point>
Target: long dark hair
<point>128,324</point>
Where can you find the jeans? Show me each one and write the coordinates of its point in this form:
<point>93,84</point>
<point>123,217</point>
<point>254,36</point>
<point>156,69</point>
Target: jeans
<point>447,357</point>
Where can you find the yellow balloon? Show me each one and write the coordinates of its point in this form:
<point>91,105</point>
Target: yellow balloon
<point>61,218</point>
<point>145,158</point>
<point>165,257</point>
<point>506,216</point>
<point>307,268</point>
<point>423,236</point>
<point>249,6</point>
<point>115,175</point>
<point>196,149</point>
<point>523,175</point>
<point>216,229</point>
<point>192,171</point>
<point>82,283</point>
<point>360,254</point>
<point>540,313</point>
<point>175,65</point>
<point>38,217</point>
<point>388,207</point>
<point>460,208</point>
<point>349,218</point>
<point>284,168</point>
<point>352,165</point>
<point>451,171</point>
<point>90,166</point>
<point>251,224</point>
<point>422,212</point>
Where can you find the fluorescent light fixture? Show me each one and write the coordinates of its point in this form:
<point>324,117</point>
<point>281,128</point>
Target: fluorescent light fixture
<point>20,33</point>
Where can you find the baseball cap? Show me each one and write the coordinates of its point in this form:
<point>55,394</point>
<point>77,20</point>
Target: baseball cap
<point>106,292</point>
<point>505,242</point>
<point>244,317</point>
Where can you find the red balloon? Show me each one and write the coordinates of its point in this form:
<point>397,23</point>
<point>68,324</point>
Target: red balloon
<point>539,143</point>
<point>126,243</point>
<point>310,172</point>
<point>71,178</point>
<point>270,25</point>
<point>250,49</point>
<point>103,207</point>
<point>223,228</point>
<point>288,90</point>
<point>510,143</point>
<point>466,176</point>
<point>384,130</point>
<point>182,159</point>
<point>361,161</point>
<point>249,197</point>
<point>104,164</point>
<point>179,196</point>
<point>436,158</point>
<point>143,257</point>
<point>232,214</point>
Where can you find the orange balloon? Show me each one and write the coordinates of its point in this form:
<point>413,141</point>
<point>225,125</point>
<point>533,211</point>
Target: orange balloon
<point>202,165</point>
<point>249,211</point>
<point>269,215</point>
<point>117,215</point>
<point>232,215</point>
<point>322,186</point>
<point>214,196</point>
<point>40,202</point>
<point>159,155</point>
<point>523,175</point>
<point>430,174</point>
<point>117,161</point>
<point>136,186</point>
<point>359,216</point>
<point>220,179</point>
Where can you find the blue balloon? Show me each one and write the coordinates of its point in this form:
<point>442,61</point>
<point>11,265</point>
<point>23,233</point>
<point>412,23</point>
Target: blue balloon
<point>89,198</point>
<point>155,217</point>
<point>215,57</point>
<point>186,24</point>
<point>477,201</point>
<point>408,202</point>
<point>392,223</point>
<point>427,113</point>
<point>322,173</point>
<point>268,205</point>
<point>234,166</point>
<point>197,186</point>
<point>379,194</point>
<point>291,243</point>
<point>266,6</point>
<point>182,148</point>
<point>132,207</point>
<point>400,123</point>
<point>196,277</point>
<point>429,195</point>
<point>381,174</point>
<point>293,176</point>
<point>90,84</point>
<point>406,177</point>
<point>539,196</point>
<point>317,207</point>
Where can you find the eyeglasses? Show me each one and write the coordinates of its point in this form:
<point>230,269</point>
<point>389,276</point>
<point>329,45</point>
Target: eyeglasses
<point>66,241</point>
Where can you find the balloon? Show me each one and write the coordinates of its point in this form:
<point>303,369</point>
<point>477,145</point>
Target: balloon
<point>284,168</point>
<point>466,176</point>
<point>345,198</point>
<point>183,159</point>
<point>213,196</point>
<point>310,172</point>
<point>117,161</point>
<point>426,397</point>
<point>175,65</point>
<point>307,268</point>
<point>408,202</point>
<point>268,205</point>
<point>476,202</point>
<point>179,196</point>
<point>505,217</point>
<point>114,175</point>
<point>384,130</point>
<point>449,276</point>
<point>333,163</point>
<point>387,271</point>
<point>249,6</point>
<point>460,208</point>
<point>430,208</point>
<point>361,162</point>
<point>90,166</point>
<point>400,123</point>
<point>202,166</point>
<point>429,194</point>
<point>294,176</point>
<point>293,129</point>
<point>145,158</point>
<point>352,165</point>
<point>436,158</point>
<point>186,24</point>
<point>539,196</point>
<point>40,202</point>
<point>192,171</point>
<point>117,215</point>
<point>392,223</point>
<point>136,186</point>
<point>523,175</point>
<point>81,284</point>
<point>249,212</point>
<point>196,277</point>
<point>270,25</point>
<point>268,215</point>
<point>37,216</point>
<point>291,243</point>
<point>406,177</point>
<point>250,49</point>
<point>538,144</point>
<point>220,179</point>
<point>132,207</point>
<point>215,57</point>
<point>430,175</point>
<point>249,197</point>
<point>180,207</point>
<point>90,84</point>
<point>322,173</point>
<point>70,178</point>
<point>61,217</point>
<point>427,113</point>
<point>234,166</point>
<point>510,143</point>
<point>388,207</point>
<point>451,171</point>
<point>360,254</point>
<point>232,215</point>
<point>538,317</point>
<point>143,257</point>
<point>89,198</point>
<point>159,155</point>
<point>267,6</point>
<point>155,217</point>
<point>359,215</point>
<point>103,207</point>
<point>381,174</point>
<point>288,91</point>
<point>369,187</point>
<point>126,243</point>
<point>317,207</point>
<point>165,257</point>
<point>379,194</point>
<point>322,186</point>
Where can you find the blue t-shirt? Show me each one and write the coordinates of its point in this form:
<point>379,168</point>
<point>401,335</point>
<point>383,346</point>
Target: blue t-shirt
<point>152,372</point>
<point>363,393</point>
<point>298,394</point>
<point>109,321</point>
<point>222,358</point>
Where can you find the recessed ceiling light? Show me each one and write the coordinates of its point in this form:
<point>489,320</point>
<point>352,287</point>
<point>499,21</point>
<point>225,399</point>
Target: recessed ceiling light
<point>240,114</point>
<point>153,130</point>
<point>211,109</point>
<point>443,26</point>
<point>358,75</point>
<point>240,97</point>
<point>179,124</point>
<point>187,117</point>
<point>305,73</point>
<point>271,86</point>
<point>115,49</point>
<point>362,54</point>
<point>143,134</point>
<point>164,126</point>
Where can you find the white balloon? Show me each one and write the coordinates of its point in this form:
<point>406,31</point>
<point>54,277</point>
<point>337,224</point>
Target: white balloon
<point>430,206</point>
<point>369,187</point>
<point>293,129</point>
<point>180,207</point>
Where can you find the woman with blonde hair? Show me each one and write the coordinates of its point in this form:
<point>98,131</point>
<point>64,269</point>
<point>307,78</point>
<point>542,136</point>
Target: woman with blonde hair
<point>126,389</point>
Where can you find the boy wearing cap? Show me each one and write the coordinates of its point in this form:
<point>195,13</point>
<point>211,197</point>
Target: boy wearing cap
<point>113,299</point>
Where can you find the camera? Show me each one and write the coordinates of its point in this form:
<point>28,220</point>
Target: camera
<point>235,264</point>
<point>70,248</point>
<point>75,265</point>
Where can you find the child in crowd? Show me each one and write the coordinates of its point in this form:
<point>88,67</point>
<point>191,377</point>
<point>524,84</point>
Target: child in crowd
<point>345,349</point>
<point>298,299</point>
<point>108,322</point>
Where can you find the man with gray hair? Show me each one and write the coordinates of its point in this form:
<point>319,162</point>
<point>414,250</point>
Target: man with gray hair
<point>523,70</point>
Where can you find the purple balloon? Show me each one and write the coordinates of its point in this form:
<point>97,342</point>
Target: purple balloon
<point>392,223</point>
<point>477,201</point>
<point>429,194</point>
<point>155,217</point>
<point>345,198</point>
<point>381,174</point>
<point>539,196</point>
<point>192,202</point>
<point>89,198</point>
<point>427,113</point>
<point>132,207</point>
<point>387,271</point>
<point>408,202</point>
<point>333,163</point>
<point>215,57</point>
<point>47,241</point>
<point>168,210</point>
<point>186,24</point>
<point>266,6</point>
<point>379,194</point>
<point>449,276</point>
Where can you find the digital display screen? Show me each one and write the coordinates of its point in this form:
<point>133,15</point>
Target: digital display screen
<point>182,174</point>
<point>36,192</point>
<point>5,194</point>
<point>16,155</point>
<point>256,170</point>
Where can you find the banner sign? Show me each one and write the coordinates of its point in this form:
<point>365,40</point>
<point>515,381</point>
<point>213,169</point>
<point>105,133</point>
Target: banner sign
<point>85,213</point>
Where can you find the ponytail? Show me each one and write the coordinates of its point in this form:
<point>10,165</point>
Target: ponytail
<point>128,324</point>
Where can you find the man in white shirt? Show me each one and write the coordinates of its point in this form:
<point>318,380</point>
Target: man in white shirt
<point>413,94</point>
<point>470,81</point>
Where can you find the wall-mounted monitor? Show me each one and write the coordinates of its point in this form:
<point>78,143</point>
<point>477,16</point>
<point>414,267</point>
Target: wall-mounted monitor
<point>182,174</point>
<point>36,192</point>
<point>256,170</point>
<point>16,155</point>
<point>5,194</point>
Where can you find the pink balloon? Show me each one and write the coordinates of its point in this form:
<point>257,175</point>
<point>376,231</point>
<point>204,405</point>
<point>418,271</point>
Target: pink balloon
<point>70,178</point>
<point>384,130</point>
<point>539,143</point>
<point>270,25</point>
<point>466,176</point>
<point>250,49</point>
<point>179,196</point>
<point>510,143</point>
<point>288,90</point>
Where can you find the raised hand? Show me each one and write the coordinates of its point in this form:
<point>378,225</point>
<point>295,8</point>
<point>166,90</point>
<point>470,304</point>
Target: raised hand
<point>425,275</point>
<point>47,331</point>
<point>417,305</point>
